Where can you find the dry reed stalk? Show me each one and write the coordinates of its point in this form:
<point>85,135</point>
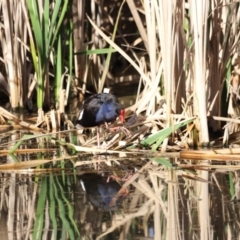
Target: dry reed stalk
<point>3,189</point>
<point>12,16</point>
<point>146,208</point>
<point>210,154</point>
<point>139,23</point>
<point>172,217</point>
<point>199,16</point>
<point>199,11</point>
<point>29,164</point>
<point>158,209</point>
<point>11,206</point>
<point>24,151</point>
<point>78,10</point>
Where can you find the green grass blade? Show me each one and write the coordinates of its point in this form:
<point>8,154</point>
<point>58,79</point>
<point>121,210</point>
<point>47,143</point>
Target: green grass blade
<point>52,207</point>
<point>69,209</point>
<point>231,185</point>
<point>45,27</point>
<point>163,161</point>
<point>34,55</point>
<point>39,222</point>
<point>63,214</point>
<point>36,23</point>
<point>58,76</point>
<point>53,21</point>
<point>59,21</point>
<point>40,86</point>
<point>96,51</point>
<point>14,158</point>
<point>40,46</point>
<point>70,62</point>
<point>158,137</point>
<point>25,137</point>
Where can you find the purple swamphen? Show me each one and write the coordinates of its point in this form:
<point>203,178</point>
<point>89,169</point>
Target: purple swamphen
<point>98,109</point>
<point>103,194</point>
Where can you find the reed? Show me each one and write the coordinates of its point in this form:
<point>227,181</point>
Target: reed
<point>46,20</point>
<point>182,53</point>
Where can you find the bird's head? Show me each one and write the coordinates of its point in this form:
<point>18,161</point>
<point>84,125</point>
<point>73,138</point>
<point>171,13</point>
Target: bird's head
<point>122,115</point>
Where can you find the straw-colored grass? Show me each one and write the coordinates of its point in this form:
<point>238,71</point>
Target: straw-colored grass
<point>185,57</point>
<point>167,195</point>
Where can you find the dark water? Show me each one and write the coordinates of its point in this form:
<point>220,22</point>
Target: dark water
<point>112,196</point>
<point>57,205</point>
<point>159,202</point>
<point>60,200</point>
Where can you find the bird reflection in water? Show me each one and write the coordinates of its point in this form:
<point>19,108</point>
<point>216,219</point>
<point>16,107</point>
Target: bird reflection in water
<point>103,193</point>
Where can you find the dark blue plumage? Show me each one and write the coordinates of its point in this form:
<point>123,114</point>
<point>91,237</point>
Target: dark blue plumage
<point>100,192</point>
<point>100,108</point>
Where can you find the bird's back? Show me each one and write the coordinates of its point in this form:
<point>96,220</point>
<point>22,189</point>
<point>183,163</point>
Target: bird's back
<point>99,108</point>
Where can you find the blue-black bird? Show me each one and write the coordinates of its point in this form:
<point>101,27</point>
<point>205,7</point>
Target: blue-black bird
<point>102,193</point>
<point>100,108</point>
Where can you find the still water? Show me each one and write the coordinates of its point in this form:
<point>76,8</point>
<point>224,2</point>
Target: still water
<point>50,191</point>
<point>138,200</point>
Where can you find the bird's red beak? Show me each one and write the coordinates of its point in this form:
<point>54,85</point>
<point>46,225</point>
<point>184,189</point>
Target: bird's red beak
<point>122,115</point>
